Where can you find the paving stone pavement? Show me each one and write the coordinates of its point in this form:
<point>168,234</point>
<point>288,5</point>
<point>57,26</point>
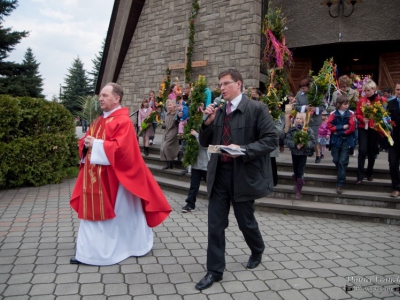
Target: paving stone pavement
<point>305,257</point>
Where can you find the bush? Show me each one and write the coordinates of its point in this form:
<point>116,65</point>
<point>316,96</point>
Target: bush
<point>38,144</point>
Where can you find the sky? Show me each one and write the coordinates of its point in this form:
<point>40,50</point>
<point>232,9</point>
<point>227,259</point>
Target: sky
<point>60,31</point>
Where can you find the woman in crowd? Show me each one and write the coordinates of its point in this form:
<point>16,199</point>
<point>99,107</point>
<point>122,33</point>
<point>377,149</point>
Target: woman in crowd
<point>344,89</point>
<point>368,138</point>
<point>170,143</point>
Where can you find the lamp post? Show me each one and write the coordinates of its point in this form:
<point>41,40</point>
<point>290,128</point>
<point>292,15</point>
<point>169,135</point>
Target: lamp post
<point>340,6</point>
<point>59,96</point>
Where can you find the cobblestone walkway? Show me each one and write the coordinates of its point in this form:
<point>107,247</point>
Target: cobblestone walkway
<point>305,257</point>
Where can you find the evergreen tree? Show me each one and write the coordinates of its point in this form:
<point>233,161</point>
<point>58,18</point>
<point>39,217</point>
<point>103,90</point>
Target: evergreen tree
<point>8,40</point>
<point>77,85</point>
<point>31,79</point>
<point>96,67</point>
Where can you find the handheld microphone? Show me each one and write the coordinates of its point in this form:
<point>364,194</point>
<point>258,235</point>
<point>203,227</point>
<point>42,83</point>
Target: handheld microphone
<point>217,102</point>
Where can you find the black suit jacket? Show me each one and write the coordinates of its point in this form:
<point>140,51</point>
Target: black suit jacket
<point>252,127</point>
<point>394,111</point>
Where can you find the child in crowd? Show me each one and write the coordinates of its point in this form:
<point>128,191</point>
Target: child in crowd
<point>299,151</point>
<point>186,93</point>
<point>183,115</point>
<point>288,107</point>
<point>153,106</point>
<point>199,171</point>
<point>144,112</point>
<point>323,133</point>
<point>172,92</point>
<point>342,124</point>
<point>256,94</point>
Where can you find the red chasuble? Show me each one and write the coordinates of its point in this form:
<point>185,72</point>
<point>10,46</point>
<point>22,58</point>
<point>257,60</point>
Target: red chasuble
<point>96,188</point>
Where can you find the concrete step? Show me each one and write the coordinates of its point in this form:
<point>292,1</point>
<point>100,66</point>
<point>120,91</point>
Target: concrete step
<point>175,173</point>
<point>348,197</point>
<point>329,181</point>
<point>330,210</point>
<point>326,167</point>
<point>304,206</point>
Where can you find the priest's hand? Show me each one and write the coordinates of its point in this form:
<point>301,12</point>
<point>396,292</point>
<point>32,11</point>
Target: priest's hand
<point>89,141</point>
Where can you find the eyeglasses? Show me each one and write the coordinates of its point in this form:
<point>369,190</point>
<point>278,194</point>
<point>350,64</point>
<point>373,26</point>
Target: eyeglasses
<point>225,83</point>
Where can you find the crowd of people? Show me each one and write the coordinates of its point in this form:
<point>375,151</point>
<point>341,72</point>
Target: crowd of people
<point>340,125</point>
<point>337,125</point>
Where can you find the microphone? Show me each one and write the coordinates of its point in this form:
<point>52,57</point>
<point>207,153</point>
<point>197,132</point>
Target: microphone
<point>217,102</point>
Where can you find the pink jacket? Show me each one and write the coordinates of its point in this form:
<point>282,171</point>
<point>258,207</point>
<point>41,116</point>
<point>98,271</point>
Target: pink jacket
<point>143,115</point>
<point>323,130</point>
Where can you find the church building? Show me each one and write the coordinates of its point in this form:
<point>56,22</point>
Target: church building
<point>147,37</point>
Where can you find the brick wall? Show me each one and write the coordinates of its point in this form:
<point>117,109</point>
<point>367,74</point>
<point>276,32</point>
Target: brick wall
<point>227,36</point>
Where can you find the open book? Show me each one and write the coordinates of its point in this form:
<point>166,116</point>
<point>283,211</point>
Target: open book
<point>226,149</point>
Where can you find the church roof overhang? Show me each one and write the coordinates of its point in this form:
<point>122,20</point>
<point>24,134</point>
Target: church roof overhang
<point>119,36</point>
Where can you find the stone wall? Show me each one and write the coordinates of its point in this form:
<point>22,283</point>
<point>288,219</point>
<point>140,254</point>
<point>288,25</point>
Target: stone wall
<point>309,23</point>
<point>227,36</point>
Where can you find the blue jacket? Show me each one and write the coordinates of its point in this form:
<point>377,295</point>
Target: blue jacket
<point>336,122</point>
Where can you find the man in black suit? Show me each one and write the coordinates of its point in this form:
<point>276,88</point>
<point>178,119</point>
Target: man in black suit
<point>394,151</point>
<point>236,180</point>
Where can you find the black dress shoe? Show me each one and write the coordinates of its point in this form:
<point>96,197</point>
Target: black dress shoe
<point>207,281</point>
<point>166,167</point>
<point>253,262</point>
<point>74,261</point>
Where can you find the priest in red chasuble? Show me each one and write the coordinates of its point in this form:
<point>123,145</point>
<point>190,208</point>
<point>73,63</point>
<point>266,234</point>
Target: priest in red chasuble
<point>116,197</point>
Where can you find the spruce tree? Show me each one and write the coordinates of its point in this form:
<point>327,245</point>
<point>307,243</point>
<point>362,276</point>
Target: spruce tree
<point>8,40</point>
<point>96,67</point>
<point>77,85</point>
<point>31,79</point>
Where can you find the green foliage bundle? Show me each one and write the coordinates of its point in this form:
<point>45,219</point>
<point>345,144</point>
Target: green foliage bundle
<point>194,121</point>
<point>301,137</point>
<point>189,53</point>
<point>89,108</point>
<point>38,144</point>
<point>321,83</point>
<point>272,100</point>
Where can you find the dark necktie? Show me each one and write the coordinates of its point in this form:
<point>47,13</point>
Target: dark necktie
<point>228,108</point>
<point>226,131</point>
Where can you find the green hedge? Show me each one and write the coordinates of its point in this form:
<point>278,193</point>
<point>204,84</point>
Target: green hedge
<point>38,144</point>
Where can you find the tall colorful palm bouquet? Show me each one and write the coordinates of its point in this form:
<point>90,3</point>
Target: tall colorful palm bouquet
<point>162,95</point>
<point>277,58</point>
<point>376,111</point>
<point>322,83</point>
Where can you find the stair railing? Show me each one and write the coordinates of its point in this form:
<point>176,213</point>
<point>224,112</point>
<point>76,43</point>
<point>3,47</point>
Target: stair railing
<point>135,122</point>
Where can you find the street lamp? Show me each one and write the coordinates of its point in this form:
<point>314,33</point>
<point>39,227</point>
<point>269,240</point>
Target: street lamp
<point>340,6</point>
